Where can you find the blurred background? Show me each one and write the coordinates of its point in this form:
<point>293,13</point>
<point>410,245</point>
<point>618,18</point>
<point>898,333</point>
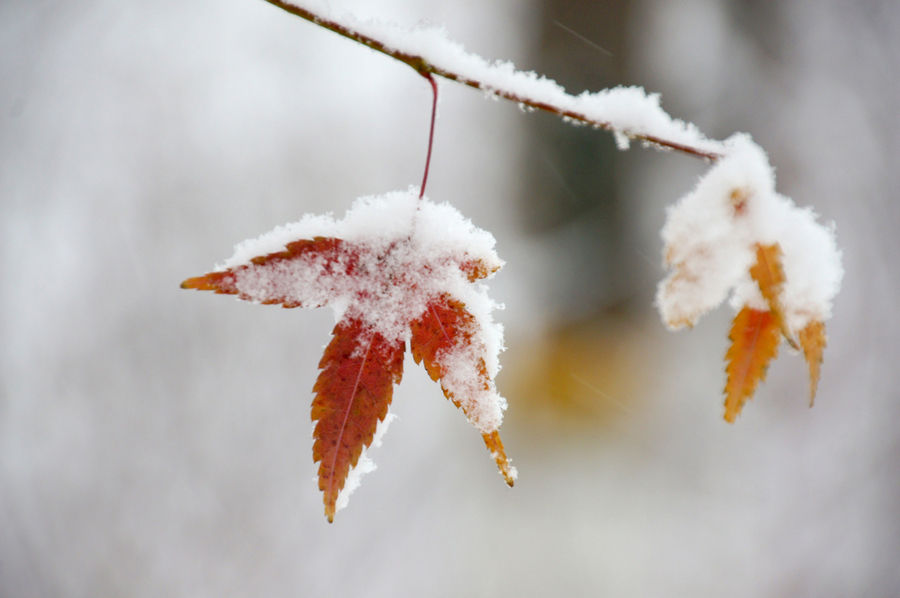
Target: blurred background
<point>156,442</point>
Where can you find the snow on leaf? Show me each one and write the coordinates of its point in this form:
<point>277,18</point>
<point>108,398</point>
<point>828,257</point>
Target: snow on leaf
<point>395,266</point>
<point>735,235</point>
<point>755,336</point>
<point>813,339</point>
<point>353,393</point>
<point>712,236</point>
<point>323,256</point>
<point>445,339</point>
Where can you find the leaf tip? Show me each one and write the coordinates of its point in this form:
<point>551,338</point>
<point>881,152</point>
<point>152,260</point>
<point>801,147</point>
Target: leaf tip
<point>495,446</point>
<point>220,282</point>
<point>813,341</point>
<point>193,283</point>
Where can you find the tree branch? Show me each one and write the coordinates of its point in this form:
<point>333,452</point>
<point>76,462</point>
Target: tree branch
<point>424,67</point>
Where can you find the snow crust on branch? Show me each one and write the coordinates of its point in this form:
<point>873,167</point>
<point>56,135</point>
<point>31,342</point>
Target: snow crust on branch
<point>629,111</point>
<point>711,236</point>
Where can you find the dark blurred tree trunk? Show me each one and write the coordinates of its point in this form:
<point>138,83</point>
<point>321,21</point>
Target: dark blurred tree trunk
<point>570,202</point>
<point>572,172</point>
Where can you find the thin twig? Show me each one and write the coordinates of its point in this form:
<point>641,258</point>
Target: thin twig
<point>434,88</point>
<point>422,67</point>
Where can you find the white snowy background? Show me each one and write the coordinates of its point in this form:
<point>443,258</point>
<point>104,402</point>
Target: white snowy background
<point>156,442</point>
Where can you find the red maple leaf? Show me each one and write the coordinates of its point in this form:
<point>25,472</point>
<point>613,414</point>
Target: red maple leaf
<point>413,283</point>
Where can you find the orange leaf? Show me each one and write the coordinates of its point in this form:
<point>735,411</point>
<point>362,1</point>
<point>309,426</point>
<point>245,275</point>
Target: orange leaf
<point>220,282</point>
<point>353,393</point>
<point>813,340</point>
<point>769,274</point>
<point>493,444</point>
<point>443,331</point>
<point>754,343</point>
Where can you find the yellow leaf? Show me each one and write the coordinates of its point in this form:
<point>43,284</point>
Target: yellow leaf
<point>813,340</point>
<point>754,343</point>
<point>769,275</point>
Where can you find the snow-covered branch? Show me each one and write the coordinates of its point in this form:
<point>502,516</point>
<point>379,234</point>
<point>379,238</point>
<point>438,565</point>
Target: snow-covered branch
<point>628,112</point>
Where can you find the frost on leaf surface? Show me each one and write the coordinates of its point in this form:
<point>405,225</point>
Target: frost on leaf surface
<point>735,235</point>
<point>396,269</point>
